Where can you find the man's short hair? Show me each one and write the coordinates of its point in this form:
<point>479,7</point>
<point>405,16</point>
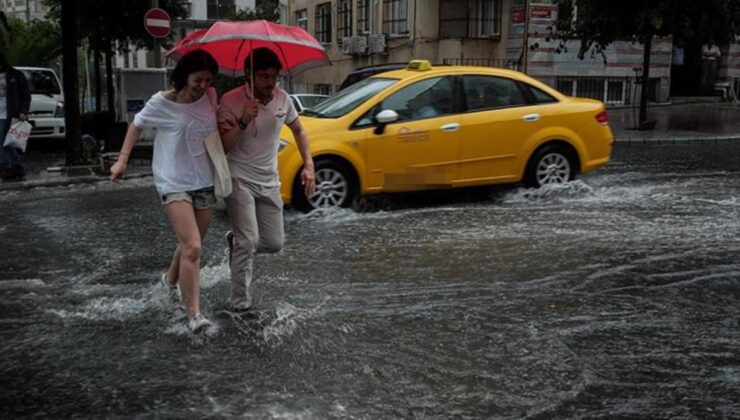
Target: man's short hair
<point>264,58</point>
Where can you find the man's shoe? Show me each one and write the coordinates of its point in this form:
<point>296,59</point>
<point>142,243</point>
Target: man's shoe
<point>230,242</point>
<point>198,323</point>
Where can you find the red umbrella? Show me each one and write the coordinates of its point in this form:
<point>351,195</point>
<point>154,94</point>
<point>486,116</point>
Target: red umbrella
<point>231,42</point>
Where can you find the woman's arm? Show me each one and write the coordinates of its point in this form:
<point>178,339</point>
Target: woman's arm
<point>118,170</point>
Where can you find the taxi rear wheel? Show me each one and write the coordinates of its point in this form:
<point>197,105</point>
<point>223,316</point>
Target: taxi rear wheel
<point>335,187</point>
<point>552,164</point>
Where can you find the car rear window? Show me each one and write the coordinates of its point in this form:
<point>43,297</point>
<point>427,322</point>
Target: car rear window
<point>42,82</point>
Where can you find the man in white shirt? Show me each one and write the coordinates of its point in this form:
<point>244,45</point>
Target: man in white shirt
<point>250,119</point>
<point>710,55</point>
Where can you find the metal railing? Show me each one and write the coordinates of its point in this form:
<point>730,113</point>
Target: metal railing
<point>610,90</point>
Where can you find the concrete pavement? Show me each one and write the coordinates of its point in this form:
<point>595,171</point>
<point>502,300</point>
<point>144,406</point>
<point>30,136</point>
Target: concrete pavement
<point>687,120</point>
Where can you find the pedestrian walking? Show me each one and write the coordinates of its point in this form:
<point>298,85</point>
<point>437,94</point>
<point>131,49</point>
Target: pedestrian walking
<point>183,117</point>
<point>15,100</point>
<point>250,120</point>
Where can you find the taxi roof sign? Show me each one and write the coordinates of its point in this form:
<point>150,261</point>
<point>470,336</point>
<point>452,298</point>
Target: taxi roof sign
<point>420,65</point>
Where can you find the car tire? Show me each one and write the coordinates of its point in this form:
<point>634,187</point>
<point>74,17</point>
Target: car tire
<point>336,186</point>
<point>552,164</point>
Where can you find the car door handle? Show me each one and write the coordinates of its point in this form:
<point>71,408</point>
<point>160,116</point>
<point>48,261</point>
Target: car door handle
<point>451,127</point>
<point>531,117</point>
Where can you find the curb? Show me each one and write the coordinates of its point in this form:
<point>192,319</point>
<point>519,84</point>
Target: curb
<point>678,140</point>
<point>60,182</point>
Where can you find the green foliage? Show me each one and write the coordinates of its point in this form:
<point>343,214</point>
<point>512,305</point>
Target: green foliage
<point>35,44</point>
<point>114,20</point>
<point>600,22</point>
<point>266,9</point>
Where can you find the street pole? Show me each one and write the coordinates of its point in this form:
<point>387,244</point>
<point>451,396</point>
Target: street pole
<point>157,56</point>
<point>525,46</point>
<point>28,11</point>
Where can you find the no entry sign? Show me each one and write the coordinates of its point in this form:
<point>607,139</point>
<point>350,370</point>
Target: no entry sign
<point>157,23</point>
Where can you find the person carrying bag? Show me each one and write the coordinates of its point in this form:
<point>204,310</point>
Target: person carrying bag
<point>15,99</point>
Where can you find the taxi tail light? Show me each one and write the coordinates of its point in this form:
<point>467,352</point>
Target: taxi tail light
<point>602,118</point>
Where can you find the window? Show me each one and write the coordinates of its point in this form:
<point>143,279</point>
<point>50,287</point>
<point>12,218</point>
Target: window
<point>323,23</point>
<point>363,17</point>
<point>395,17</point>
<point>425,99</point>
<point>541,97</point>
<point>470,19</point>
<point>344,19</point>
<point>220,9</point>
<point>609,90</point>
<point>301,19</point>
<point>42,82</point>
<point>485,92</point>
<point>322,89</point>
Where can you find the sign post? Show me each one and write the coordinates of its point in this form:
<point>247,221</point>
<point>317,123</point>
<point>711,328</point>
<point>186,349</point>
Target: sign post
<point>158,23</point>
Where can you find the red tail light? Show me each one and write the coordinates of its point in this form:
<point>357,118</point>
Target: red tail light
<point>602,118</point>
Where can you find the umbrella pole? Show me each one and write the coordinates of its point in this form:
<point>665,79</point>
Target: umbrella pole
<point>251,82</point>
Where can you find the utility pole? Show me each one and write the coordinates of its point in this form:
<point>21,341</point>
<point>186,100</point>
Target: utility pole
<point>525,37</point>
<point>157,55</point>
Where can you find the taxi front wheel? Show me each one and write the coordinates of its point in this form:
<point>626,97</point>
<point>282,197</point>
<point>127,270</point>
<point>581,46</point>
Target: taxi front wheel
<point>335,187</point>
<point>552,164</point>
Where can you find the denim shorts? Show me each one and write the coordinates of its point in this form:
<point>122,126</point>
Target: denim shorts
<point>203,198</point>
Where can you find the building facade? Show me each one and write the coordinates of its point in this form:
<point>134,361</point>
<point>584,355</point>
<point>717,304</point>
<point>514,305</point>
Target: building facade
<point>25,10</point>
<point>498,33</point>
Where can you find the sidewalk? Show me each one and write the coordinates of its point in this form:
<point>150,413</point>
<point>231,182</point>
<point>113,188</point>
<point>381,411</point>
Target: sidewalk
<point>700,121</point>
<point>693,120</point>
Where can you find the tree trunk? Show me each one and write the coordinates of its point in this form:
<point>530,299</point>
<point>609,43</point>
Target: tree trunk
<point>71,83</point>
<point>96,63</point>
<point>110,94</point>
<point>644,91</point>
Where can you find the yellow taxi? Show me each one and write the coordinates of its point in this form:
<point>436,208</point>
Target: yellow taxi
<point>433,127</point>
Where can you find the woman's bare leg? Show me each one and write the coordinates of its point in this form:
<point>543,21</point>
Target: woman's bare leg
<point>187,229</point>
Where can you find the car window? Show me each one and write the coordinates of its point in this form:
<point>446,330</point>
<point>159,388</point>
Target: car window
<point>347,100</point>
<point>540,96</point>
<point>42,82</point>
<point>311,101</point>
<point>296,105</point>
<point>425,99</point>
<point>487,92</point>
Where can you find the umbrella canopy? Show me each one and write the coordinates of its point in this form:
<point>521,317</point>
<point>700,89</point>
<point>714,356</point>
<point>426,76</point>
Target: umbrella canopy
<point>231,42</point>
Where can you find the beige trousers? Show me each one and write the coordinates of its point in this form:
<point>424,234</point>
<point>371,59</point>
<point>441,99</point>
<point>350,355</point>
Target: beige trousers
<point>256,215</point>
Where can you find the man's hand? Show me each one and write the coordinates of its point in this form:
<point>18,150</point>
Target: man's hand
<point>308,179</point>
<point>118,170</point>
<point>22,116</point>
<point>249,112</point>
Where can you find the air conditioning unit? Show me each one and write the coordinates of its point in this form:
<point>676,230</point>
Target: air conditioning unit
<point>347,45</point>
<point>378,44</point>
<point>360,44</point>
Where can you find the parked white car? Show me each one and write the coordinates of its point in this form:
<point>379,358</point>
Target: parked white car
<point>304,101</point>
<point>46,113</point>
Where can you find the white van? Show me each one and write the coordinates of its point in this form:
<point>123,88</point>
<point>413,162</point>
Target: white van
<point>47,102</point>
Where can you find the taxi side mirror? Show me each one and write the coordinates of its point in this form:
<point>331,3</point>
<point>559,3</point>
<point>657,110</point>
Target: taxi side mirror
<point>384,118</point>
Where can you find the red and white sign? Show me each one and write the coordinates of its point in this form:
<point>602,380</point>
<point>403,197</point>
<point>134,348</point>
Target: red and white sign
<point>157,22</point>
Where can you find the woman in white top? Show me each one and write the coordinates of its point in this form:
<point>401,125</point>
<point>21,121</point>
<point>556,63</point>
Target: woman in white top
<point>183,117</point>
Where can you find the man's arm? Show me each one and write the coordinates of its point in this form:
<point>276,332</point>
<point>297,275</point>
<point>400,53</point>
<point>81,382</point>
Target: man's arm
<point>307,174</point>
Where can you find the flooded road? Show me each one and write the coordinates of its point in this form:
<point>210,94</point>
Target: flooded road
<point>617,295</point>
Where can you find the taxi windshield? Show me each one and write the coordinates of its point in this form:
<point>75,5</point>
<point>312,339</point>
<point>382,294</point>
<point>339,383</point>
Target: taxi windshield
<point>346,100</point>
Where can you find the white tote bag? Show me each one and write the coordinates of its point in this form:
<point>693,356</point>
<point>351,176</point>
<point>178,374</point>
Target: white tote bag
<point>18,135</point>
<point>217,156</point>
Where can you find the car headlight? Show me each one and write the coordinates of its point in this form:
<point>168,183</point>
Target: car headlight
<point>282,144</point>
<point>59,112</point>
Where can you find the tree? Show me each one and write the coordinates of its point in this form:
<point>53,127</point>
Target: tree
<point>598,23</point>
<point>71,91</point>
<point>104,23</point>
<point>34,44</point>
<point>110,23</point>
